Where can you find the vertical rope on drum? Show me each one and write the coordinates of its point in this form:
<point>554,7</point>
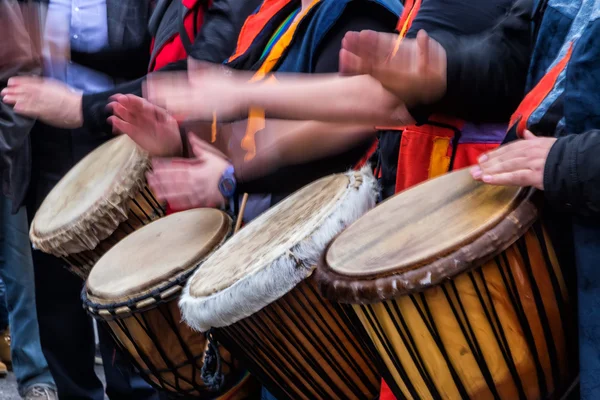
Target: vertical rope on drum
<point>470,336</point>
<point>539,305</point>
<point>412,349</point>
<point>511,288</point>
<point>501,339</point>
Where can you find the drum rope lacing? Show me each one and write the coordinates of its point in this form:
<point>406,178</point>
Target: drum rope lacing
<point>159,295</point>
<point>211,372</point>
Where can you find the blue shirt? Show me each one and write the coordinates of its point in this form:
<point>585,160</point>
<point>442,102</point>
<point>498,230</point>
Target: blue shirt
<point>79,25</point>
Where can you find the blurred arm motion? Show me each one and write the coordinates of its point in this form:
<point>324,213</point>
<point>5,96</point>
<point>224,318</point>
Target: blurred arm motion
<point>21,55</point>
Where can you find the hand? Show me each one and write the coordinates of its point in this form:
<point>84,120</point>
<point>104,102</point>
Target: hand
<point>520,163</point>
<point>190,183</point>
<point>416,73</point>
<point>199,94</point>
<point>151,127</point>
<point>48,100</point>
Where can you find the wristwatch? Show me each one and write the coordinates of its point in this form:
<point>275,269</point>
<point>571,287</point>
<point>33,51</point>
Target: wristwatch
<point>227,183</point>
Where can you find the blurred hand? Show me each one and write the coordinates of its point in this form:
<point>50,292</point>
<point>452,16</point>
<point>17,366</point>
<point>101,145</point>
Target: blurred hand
<point>48,100</point>
<point>151,127</point>
<point>190,183</point>
<point>198,94</point>
<point>416,73</point>
<point>519,163</point>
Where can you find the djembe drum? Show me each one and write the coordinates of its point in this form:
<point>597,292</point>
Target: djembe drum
<point>134,290</point>
<point>99,202</point>
<point>458,287</point>
<point>256,289</point>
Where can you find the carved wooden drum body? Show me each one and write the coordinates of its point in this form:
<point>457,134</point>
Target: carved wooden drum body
<point>458,288</point>
<point>99,202</point>
<point>257,297</point>
<point>134,289</point>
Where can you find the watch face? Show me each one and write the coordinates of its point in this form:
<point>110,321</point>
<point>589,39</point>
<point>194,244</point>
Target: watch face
<point>228,185</point>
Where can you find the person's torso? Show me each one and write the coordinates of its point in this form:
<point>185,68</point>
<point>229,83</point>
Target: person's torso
<point>306,39</point>
<point>174,26</point>
<point>432,148</point>
<point>280,33</point>
<point>79,25</point>
<point>567,31</point>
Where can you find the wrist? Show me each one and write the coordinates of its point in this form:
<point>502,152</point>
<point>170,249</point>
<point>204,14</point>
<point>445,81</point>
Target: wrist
<point>247,98</point>
<point>228,183</point>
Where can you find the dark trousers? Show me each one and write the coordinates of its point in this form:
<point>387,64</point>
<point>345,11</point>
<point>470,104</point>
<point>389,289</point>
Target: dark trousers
<point>66,331</point>
<point>67,337</point>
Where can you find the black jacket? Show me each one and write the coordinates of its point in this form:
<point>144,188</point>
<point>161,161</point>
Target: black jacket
<point>21,55</point>
<point>486,82</point>
<point>214,43</point>
<point>572,174</point>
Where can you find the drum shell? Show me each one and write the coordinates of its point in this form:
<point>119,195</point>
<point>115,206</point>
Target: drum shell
<point>143,208</point>
<point>169,354</point>
<point>304,347</point>
<point>501,330</point>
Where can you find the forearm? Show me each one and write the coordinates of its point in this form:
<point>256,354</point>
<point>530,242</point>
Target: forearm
<point>313,140</point>
<point>327,98</point>
<point>286,143</point>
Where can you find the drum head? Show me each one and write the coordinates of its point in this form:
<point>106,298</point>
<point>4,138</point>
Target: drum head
<point>90,199</point>
<point>276,251</point>
<point>156,255</point>
<point>418,228</point>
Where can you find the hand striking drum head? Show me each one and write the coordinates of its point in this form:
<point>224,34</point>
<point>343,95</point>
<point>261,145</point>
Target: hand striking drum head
<point>459,290</point>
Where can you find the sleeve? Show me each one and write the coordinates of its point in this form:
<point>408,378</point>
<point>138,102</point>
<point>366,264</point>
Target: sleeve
<point>93,105</point>
<point>123,64</point>
<point>219,32</point>
<point>327,61</point>
<point>356,18</point>
<point>486,73</point>
<point>572,174</point>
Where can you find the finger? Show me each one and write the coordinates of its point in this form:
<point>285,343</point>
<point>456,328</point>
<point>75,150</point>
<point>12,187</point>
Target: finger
<point>350,42</point>
<point>10,99</point>
<point>117,97</point>
<point>166,185</point>
<point>14,90</point>
<point>24,80</point>
<point>168,164</point>
<point>121,112</point>
<point>135,103</point>
<point>507,165</point>
<point>476,172</point>
<point>144,107</point>
<point>123,127</point>
<point>181,202</point>
<point>517,147</point>
<point>201,147</point>
<point>422,50</point>
<point>375,46</point>
<point>527,135</point>
<point>351,64</point>
<point>521,178</point>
